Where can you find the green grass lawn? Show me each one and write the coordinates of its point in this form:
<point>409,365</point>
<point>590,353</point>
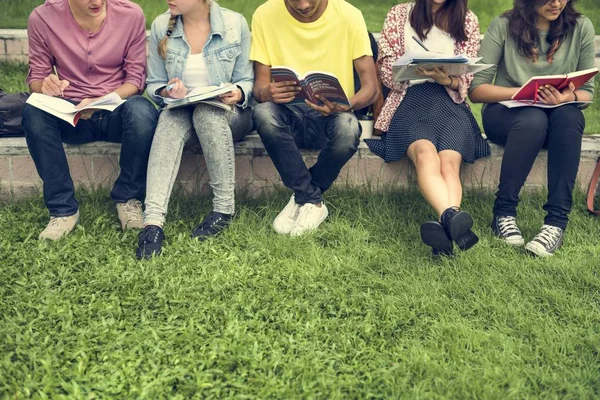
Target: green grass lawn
<point>15,12</point>
<point>12,77</point>
<point>356,310</point>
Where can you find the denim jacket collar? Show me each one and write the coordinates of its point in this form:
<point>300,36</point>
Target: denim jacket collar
<point>216,23</point>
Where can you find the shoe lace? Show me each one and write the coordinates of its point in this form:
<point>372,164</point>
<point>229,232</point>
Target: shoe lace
<point>549,235</point>
<point>150,235</point>
<point>304,213</point>
<point>132,210</point>
<point>508,226</point>
<point>55,222</point>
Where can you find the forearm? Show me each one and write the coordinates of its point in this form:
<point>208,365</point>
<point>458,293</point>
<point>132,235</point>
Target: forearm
<point>259,91</point>
<point>365,97</point>
<point>488,93</point>
<point>126,90</point>
<point>36,86</point>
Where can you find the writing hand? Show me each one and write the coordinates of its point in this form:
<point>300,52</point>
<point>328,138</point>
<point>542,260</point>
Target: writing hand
<point>280,92</point>
<point>438,74</point>
<point>328,108</point>
<point>53,86</point>
<point>178,89</point>
<point>232,97</point>
<point>548,94</point>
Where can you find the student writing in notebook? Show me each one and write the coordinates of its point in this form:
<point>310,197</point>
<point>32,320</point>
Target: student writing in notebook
<point>97,47</point>
<point>536,37</point>
<point>428,120</point>
<point>195,44</point>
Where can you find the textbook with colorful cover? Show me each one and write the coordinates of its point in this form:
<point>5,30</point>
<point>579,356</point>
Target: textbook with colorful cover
<point>205,94</point>
<point>312,83</point>
<point>66,110</point>
<point>529,91</point>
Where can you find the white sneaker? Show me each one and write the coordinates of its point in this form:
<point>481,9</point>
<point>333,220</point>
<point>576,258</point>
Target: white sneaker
<point>59,227</point>
<point>545,243</point>
<point>286,219</point>
<point>309,218</point>
<point>130,214</point>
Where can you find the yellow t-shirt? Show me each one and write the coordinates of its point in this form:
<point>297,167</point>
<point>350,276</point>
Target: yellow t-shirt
<point>329,44</point>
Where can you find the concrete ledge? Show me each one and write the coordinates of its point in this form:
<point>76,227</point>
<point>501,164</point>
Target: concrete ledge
<point>96,164</point>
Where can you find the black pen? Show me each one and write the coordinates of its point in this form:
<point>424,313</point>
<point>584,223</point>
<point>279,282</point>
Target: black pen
<point>420,43</point>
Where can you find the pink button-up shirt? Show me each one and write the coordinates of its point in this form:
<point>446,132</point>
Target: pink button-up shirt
<point>94,64</point>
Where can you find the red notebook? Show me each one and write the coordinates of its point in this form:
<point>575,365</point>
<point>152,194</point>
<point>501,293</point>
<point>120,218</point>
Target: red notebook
<point>528,91</point>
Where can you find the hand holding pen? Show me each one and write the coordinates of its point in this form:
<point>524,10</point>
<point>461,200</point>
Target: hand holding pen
<point>176,89</point>
<point>52,85</point>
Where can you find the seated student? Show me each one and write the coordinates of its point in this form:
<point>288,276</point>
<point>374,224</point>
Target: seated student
<point>428,120</point>
<point>196,44</point>
<point>97,47</point>
<point>305,35</point>
<point>535,38</point>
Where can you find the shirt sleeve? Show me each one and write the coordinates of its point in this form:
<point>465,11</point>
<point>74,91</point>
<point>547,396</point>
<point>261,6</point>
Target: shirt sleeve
<point>362,44</point>
<point>258,49</point>
<point>587,53</point>
<point>389,46</point>
<point>491,52</point>
<point>471,50</point>
<point>134,63</point>
<point>157,71</point>
<point>40,58</point>
<point>243,71</point>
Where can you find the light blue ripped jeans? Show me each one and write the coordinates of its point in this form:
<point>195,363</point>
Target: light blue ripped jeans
<point>216,129</point>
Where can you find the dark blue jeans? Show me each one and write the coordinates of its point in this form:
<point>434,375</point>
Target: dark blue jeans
<point>523,132</point>
<point>131,124</point>
<point>286,128</point>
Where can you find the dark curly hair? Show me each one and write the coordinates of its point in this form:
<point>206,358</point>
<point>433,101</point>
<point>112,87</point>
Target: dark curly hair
<point>523,30</point>
<point>449,18</point>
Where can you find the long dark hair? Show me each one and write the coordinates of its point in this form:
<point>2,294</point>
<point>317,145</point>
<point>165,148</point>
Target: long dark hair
<point>449,18</point>
<point>523,30</point>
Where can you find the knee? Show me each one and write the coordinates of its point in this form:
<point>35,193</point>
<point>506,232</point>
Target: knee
<point>266,117</point>
<point>140,112</point>
<point>532,120</point>
<point>569,119</point>
<point>448,167</point>
<point>35,122</point>
<point>347,132</point>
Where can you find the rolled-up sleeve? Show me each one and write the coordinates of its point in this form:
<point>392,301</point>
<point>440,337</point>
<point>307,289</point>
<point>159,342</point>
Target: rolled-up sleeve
<point>40,58</point>
<point>134,64</point>
<point>491,52</point>
<point>243,71</point>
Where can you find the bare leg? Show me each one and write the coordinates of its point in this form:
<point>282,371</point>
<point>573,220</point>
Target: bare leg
<point>451,161</point>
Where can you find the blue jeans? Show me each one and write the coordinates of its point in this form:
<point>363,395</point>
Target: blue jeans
<point>131,124</point>
<point>286,128</point>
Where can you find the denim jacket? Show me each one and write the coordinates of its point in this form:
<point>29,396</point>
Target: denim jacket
<point>226,53</point>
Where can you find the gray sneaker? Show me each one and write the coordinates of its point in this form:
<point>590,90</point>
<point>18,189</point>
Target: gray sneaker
<point>545,243</point>
<point>130,214</point>
<point>59,227</point>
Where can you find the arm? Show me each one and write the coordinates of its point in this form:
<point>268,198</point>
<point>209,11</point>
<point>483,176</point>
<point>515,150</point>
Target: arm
<point>157,71</point>
<point>265,90</point>
<point>387,51</point>
<point>134,63</point>
<point>243,73</point>
<point>492,50</point>
<point>587,56</point>
<point>471,50</point>
<point>369,89</point>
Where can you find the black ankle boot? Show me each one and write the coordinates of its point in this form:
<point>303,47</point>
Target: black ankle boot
<point>434,235</point>
<point>458,225</point>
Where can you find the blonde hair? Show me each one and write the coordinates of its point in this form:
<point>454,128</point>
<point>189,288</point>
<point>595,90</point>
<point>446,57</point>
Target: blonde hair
<point>162,45</point>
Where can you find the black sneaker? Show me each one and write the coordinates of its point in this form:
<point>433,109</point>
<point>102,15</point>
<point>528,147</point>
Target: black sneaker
<point>545,243</point>
<point>150,241</point>
<point>212,225</point>
<point>506,229</point>
<point>434,235</point>
<point>458,225</point>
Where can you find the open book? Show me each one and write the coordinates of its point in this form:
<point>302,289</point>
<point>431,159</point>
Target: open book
<point>528,92</point>
<point>66,111</point>
<point>313,83</point>
<point>405,68</point>
<point>205,94</point>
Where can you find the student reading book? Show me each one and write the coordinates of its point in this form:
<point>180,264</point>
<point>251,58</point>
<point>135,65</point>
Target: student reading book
<point>313,84</point>
<point>561,41</point>
<point>68,111</point>
<point>428,119</point>
<point>204,94</point>
<point>195,45</point>
<point>529,91</point>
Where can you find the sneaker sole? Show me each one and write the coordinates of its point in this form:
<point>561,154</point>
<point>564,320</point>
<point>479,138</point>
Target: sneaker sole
<point>537,249</point>
<point>518,242</point>
<point>434,236</point>
<point>283,230</point>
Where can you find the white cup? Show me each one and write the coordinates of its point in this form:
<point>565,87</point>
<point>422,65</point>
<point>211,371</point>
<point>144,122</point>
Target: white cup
<point>367,129</point>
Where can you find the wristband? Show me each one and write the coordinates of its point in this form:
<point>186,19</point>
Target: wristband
<point>451,83</point>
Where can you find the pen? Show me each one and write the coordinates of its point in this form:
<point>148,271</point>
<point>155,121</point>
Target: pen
<point>171,86</point>
<point>56,73</point>
<point>420,43</point>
